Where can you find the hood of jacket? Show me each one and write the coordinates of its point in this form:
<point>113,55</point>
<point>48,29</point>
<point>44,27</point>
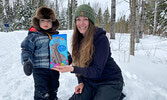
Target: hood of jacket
<point>45,13</point>
<point>99,32</point>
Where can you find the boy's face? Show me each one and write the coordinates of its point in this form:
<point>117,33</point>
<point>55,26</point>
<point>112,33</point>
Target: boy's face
<point>45,23</point>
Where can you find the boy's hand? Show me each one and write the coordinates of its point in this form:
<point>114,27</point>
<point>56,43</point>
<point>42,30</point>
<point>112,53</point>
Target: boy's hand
<point>28,67</point>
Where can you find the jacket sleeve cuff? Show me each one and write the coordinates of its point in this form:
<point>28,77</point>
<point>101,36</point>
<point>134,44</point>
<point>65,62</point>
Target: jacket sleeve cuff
<point>78,70</point>
<point>80,79</point>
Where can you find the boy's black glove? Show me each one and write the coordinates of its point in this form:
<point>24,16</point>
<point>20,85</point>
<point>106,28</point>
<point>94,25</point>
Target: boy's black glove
<point>28,67</point>
<point>69,58</point>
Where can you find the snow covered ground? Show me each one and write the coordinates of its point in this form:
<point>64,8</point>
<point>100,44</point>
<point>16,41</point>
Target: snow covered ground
<point>144,74</point>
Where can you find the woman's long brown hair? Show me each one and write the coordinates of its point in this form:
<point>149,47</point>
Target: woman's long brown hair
<point>82,46</point>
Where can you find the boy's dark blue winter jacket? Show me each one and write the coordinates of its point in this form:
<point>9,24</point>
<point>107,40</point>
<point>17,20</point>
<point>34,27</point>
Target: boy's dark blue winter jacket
<point>36,48</point>
<point>103,66</point>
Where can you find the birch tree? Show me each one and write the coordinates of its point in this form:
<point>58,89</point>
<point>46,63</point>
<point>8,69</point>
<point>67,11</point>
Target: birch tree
<point>72,4</point>
<point>137,20</point>
<point>133,26</point>
<point>113,9</point>
<point>155,17</point>
<point>142,19</point>
<point>57,9</point>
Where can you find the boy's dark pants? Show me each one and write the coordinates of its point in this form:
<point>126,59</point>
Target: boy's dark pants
<point>46,84</point>
<point>110,90</point>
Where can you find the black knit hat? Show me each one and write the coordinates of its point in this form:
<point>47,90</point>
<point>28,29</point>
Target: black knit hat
<point>45,13</point>
<point>86,11</point>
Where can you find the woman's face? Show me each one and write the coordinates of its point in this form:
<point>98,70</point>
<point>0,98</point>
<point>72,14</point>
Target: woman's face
<point>82,24</point>
<point>45,23</point>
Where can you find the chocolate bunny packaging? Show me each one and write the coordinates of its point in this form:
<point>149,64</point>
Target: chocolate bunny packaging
<point>58,50</point>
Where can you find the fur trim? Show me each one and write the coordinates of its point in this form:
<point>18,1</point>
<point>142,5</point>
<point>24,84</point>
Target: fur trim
<point>45,13</point>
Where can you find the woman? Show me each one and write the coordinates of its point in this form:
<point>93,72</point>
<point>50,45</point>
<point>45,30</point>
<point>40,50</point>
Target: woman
<point>99,77</point>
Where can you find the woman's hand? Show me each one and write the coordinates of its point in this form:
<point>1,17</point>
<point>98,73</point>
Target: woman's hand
<point>62,69</point>
<point>79,88</point>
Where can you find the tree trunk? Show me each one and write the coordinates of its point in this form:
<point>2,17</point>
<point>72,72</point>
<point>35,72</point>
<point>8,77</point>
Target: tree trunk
<point>1,15</point>
<point>71,9</point>
<point>113,9</point>
<point>137,20</point>
<point>133,27</point>
<point>142,20</point>
<point>57,9</point>
<point>70,15</point>
<point>74,6</point>
<point>155,18</point>
<point>1,10</point>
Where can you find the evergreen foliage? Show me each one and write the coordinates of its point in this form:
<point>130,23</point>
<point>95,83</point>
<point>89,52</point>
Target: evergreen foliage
<point>121,26</point>
<point>99,19</point>
<point>1,15</point>
<point>107,20</point>
<point>161,17</point>
<point>19,15</point>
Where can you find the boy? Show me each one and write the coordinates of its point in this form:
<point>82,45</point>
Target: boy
<point>36,54</point>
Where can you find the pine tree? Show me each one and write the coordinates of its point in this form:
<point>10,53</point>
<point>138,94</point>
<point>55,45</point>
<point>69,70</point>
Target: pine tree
<point>63,20</point>
<point>106,21</point>
<point>6,10</point>
<point>8,15</point>
<point>121,26</point>
<point>99,19</point>
<point>162,8</point>
<point>28,13</point>
<point>41,3</point>
<point>160,20</point>
<point>1,15</point>
<point>18,7</point>
<point>24,15</point>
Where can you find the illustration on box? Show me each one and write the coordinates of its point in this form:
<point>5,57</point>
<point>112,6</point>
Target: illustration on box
<point>58,50</point>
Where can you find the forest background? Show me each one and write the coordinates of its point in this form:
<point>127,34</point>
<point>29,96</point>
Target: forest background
<point>150,14</point>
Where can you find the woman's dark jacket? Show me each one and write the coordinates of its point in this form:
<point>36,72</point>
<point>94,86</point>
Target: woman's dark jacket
<point>103,67</point>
